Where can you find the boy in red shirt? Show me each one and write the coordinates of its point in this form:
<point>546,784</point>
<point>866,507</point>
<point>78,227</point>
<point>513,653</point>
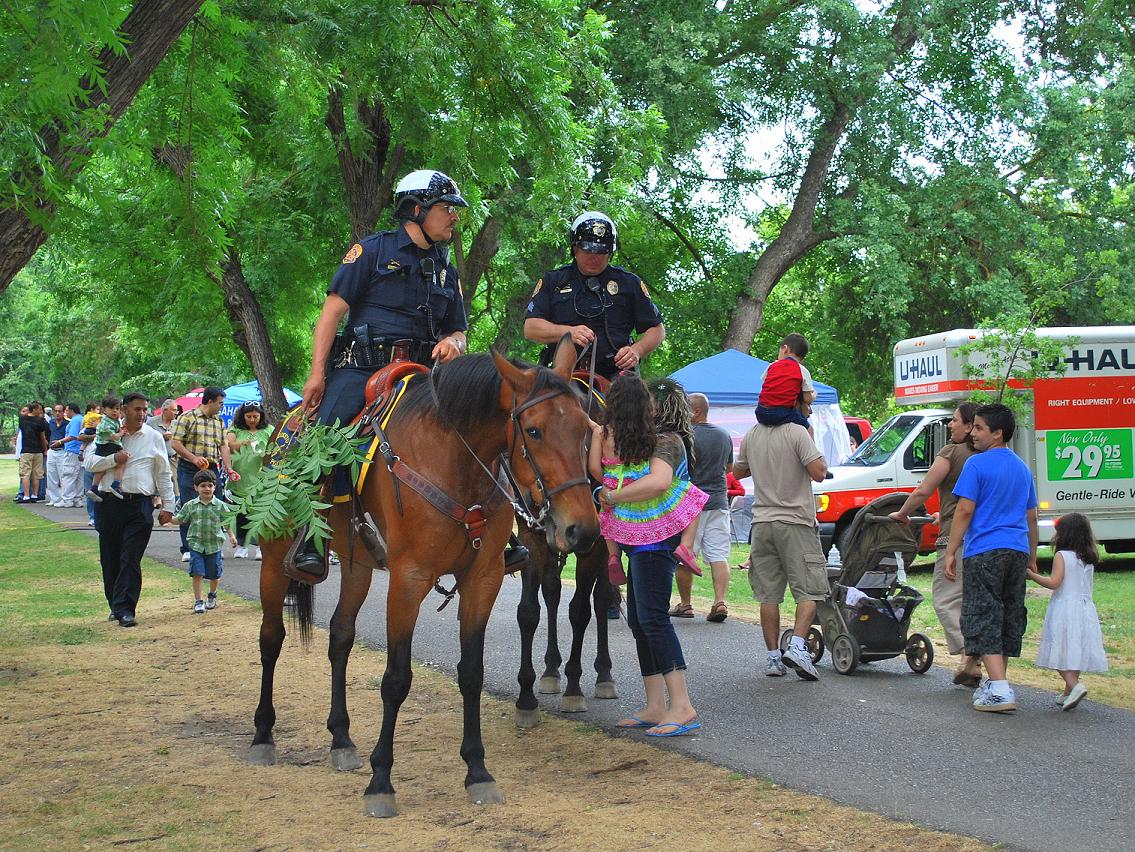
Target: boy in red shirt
<point>787,387</point>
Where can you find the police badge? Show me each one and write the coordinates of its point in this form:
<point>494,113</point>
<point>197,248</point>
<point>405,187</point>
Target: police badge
<point>612,288</point>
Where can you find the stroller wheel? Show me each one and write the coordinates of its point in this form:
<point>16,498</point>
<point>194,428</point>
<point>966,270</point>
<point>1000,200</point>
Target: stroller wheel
<point>815,642</point>
<point>845,654</point>
<point>919,653</point>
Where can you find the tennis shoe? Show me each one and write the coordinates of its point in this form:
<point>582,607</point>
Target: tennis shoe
<point>801,662</point>
<point>774,667</point>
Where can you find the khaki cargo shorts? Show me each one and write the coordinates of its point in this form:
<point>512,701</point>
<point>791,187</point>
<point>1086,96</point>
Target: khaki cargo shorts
<point>786,555</point>
<point>31,464</point>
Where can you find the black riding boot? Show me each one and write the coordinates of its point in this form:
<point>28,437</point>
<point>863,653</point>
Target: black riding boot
<point>309,560</point>
<point>515,555</point>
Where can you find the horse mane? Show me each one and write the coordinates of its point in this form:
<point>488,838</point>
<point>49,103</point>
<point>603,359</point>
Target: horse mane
<point>468,390</point>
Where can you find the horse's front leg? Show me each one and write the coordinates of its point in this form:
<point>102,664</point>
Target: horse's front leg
<point>478,594</point>
<point>579,615</point>
<point>551,587</point>
<point>604,597</point>
<point>403,601</point>
<point>528,619</point>
<point>354,585</point>
<point>273,587</point>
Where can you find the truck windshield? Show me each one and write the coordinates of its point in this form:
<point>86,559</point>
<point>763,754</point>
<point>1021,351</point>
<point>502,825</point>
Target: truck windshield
<point>883,443</point>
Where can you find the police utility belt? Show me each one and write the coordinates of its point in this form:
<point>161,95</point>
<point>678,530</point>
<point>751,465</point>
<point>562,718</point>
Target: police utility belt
<point>356,348</point>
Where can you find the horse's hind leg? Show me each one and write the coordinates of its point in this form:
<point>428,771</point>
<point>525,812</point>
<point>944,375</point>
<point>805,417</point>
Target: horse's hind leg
<point>528,619</point>
<point>477,599</point>
<point>579,614</point>
<point>353,589</point>
<point>403,601</point>
<point>273,587</point>
<point>551,586</point>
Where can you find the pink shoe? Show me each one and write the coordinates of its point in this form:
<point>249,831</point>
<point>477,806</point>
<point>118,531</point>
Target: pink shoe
<point>687,558</point>
<point>615,570</point>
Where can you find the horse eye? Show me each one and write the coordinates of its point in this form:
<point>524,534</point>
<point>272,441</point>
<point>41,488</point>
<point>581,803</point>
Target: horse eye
<point>533,432</point>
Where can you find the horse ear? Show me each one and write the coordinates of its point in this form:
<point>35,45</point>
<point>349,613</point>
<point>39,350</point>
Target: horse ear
<point>564,362</point>
<point>516,380</point>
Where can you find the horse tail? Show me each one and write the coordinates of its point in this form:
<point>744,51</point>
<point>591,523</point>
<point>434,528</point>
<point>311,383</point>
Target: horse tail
<point>303,613</point>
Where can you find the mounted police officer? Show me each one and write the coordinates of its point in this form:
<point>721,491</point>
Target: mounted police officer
<point>594,302</point>
<point>396,289</point>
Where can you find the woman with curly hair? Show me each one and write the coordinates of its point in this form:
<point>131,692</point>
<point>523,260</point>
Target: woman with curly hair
<point>648,501</point>
<point>247,440</point>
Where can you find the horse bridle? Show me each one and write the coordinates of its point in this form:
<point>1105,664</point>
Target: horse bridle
<point>531,516</point>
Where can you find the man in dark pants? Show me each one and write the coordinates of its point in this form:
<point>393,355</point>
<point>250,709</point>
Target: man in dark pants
<point>396,288</point>
<point>124,525</point>
<point>595,303</point>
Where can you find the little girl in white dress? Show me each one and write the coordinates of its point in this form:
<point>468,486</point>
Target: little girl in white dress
<point>1072,641</point>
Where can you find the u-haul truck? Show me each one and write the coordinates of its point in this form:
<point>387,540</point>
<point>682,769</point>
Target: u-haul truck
<point>1079,441</point>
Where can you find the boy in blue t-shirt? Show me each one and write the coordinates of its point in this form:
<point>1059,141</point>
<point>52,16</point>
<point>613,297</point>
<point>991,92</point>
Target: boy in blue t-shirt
<point>996,517</point>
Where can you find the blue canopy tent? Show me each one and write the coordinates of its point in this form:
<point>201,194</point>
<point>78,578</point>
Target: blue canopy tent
<point>237,395</point>
<point>734,378</point>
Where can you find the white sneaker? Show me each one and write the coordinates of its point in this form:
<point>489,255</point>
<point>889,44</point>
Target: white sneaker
<point>185,556</point>
<point>90,523</point>
<point>1079,691</point>
<point>257,554</point>
<point>990,702</point>
<point>801,661</point>
<point>774,667</point>
<point>240,553</point>
<point>199,607</point>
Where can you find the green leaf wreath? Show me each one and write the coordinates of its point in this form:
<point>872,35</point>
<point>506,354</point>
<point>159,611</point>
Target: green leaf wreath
<point>280,499</point>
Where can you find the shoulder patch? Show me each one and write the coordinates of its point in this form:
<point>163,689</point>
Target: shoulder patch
<point>355,252</point>
<point>645,292</point>
<point>539,285</point>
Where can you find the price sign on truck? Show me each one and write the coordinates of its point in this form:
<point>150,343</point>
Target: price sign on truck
<point>1089,454</point>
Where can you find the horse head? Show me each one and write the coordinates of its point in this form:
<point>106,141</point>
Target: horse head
<point>546,446</point>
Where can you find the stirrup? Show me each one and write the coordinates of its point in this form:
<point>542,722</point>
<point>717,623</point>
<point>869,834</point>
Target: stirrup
<point>303,562</point>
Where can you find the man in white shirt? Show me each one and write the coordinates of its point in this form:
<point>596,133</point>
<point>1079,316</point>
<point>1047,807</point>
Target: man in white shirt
<point>124,524</point>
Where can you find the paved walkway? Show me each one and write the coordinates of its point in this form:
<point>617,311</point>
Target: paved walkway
<point>883,739</point>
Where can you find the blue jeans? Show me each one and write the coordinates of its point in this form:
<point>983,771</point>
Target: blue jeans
<point>207,565</point>
<point>88,481</point>
<point>648,604</point>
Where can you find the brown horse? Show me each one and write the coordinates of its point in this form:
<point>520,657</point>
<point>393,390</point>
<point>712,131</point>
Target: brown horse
<point>593,591</point>
<point>479,405</point>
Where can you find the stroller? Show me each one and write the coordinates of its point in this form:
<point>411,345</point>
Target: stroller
<point>867,614</point>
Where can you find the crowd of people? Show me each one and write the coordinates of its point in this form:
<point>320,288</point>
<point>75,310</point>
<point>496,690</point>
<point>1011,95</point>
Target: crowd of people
<point>666,472</point>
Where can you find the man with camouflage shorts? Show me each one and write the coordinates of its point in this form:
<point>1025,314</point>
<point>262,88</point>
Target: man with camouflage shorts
<point>784,461</point>
<point>996,518</point>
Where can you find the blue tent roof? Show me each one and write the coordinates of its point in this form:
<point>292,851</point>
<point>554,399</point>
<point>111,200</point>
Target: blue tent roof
<point>734,378</point>
<point>237,395</point>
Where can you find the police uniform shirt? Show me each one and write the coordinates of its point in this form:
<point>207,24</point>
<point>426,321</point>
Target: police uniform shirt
<point>383,281</point>
<point>615,304</point>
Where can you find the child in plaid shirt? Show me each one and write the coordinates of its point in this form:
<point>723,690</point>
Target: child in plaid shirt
<point>208,522</point>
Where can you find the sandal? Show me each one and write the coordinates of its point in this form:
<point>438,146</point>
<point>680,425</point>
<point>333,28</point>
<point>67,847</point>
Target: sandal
<point>681,610</point>
<point>615,571</point>
<point>718,612</point>
<point>688,560</point>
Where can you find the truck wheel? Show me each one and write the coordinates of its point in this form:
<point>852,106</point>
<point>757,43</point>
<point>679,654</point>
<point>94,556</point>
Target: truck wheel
<point>845,654</point>
<point>840,537</point>
<point>919,653</point>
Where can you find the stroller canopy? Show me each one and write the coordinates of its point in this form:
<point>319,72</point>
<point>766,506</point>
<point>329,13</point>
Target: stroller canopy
<point>873,536</point>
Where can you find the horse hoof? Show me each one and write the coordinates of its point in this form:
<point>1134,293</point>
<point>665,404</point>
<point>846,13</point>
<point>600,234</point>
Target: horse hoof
<point>485,793</point>
<point>380,805</point>
<point>345,759</point>
<point>263,754</point>
<point>527,719</point>
<point>549,685</point>
<point>606,689</point>
<point>573,704</point>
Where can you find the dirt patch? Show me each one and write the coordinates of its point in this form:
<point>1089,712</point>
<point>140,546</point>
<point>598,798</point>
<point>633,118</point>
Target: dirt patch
<point>137,738</point>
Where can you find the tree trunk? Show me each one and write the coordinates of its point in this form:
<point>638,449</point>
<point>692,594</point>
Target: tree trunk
<point>251,334</point>
<point>149,31</point>
<point>482,250</point>
<point>798,235</point>
<point>368,177</point>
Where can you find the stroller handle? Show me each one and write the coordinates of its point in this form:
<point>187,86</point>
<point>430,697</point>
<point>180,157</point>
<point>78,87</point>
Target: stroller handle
<point>917,520</point>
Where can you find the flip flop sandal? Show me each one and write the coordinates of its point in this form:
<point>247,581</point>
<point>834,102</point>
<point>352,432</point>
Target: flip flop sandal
<point>632,722</point>
<point>678,730</point>
<point>681,610</point>
<point>688,560</point>
<point>718,612</point>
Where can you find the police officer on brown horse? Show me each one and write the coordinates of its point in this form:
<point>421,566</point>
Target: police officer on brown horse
<point>393,287</point>
<point>598,304</point>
